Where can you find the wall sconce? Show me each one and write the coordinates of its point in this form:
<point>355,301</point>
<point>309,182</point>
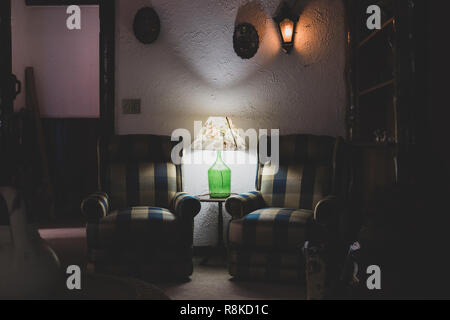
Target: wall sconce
<point>286,22</point>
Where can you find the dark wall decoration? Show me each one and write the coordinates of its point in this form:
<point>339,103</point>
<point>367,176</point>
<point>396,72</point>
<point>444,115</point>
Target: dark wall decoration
<point>245,40</point>
<point>146,25</point>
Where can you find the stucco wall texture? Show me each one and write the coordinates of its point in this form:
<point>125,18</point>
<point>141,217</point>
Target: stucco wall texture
<point>192,72</point>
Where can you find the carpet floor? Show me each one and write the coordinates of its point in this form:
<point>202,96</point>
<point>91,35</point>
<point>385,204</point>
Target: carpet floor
<point>208,282</point>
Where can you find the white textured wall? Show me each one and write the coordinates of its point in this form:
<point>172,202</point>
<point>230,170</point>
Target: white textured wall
<point>192,72</point>
<point>66,63</point>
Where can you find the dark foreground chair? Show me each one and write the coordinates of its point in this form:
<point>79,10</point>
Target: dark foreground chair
<point>29,268</point>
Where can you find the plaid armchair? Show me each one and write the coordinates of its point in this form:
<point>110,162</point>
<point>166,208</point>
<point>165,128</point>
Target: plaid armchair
<point>141,223</point>
<point>269,226</point>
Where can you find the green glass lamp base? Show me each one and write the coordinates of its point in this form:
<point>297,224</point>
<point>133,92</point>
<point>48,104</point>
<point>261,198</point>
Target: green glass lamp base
<point>219,178</point>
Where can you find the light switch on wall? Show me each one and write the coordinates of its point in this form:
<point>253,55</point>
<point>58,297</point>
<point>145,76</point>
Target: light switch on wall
<point>131,106</point>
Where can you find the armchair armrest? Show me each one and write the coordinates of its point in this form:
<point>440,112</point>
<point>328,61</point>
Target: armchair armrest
<point>240,205</point>
<point>326,211</point>
<point>95,206</point>
<point>324,227</point>
<point>185,206</point>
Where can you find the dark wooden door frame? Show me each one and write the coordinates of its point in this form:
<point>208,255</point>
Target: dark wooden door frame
<point>5,59</point>
<point>107,65</point>
<point>6,94</point>
<point>106,56</point>
<point>61,2</point>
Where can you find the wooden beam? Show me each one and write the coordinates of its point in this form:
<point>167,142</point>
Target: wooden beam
<point>107,66</point>
<point>60,2</point>
<point>6,98</point>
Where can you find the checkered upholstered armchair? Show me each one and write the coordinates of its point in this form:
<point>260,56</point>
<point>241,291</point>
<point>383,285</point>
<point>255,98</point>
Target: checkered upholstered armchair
<point>141,223</point>
<point>269,226</point>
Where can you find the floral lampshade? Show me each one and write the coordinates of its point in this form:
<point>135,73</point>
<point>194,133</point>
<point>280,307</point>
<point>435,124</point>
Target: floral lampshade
<point>219,134</point>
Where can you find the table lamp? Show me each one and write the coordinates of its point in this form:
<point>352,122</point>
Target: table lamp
<point>219,134</point>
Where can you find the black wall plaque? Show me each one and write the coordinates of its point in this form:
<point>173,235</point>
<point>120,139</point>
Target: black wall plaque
<point>146,25</point>
<point>245,40</point>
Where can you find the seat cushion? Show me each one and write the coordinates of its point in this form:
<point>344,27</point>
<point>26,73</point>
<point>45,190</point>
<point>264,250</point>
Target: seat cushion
<point>270,228</point>
<point>136,227</point>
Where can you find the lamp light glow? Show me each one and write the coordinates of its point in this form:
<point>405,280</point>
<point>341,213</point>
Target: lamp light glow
<point>286,22</point>
<point>287,30</point>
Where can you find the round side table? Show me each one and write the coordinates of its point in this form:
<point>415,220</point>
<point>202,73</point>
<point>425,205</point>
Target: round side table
<point>220,247</point>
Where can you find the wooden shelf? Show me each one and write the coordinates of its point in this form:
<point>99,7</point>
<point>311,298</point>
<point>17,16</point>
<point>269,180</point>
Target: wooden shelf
<point>373,34</point>
<point>379,86</point>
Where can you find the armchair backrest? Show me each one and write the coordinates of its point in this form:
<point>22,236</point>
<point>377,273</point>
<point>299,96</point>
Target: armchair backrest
<point>306,173</point>
<point>137,170</point>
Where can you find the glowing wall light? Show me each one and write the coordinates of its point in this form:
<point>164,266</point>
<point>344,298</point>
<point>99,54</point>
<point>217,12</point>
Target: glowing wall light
<point>286,23</point>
